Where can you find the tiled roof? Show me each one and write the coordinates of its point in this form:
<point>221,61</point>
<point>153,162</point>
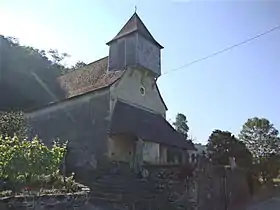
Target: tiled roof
<point>135,24</point>
<point>92,77</point>
<point>127,119</point>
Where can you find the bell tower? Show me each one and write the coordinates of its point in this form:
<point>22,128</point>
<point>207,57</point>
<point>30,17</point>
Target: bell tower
<point>134,46</point>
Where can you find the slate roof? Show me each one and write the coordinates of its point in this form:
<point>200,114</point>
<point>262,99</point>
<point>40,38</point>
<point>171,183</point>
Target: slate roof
<point>135,24</point>
<point>92,77</point>
<point>127,119</point>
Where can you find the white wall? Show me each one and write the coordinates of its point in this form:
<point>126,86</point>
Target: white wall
<point>128,90</point>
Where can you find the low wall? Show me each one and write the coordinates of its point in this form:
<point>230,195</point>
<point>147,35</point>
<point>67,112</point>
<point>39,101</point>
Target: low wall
<point>46,202</point>
<point>220,188</point>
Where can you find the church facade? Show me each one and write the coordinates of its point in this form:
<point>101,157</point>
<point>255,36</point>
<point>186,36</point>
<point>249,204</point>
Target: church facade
<point>112,104</point>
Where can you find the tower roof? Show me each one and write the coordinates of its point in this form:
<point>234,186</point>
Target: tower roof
<point>135,24</point>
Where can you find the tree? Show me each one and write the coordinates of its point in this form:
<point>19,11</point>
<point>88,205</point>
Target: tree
<point>56,56</point>
<point>79,65</point>
<point>181,125</point>
<point>222,145</point>
<point>260,137</point>
<point>28,76</point>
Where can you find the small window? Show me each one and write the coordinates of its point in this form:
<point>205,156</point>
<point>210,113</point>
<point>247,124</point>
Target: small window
<point>142,90</point>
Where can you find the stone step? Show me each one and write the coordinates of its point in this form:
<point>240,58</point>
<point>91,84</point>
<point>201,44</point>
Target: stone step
<point>106,185</point>
<point>121,181</point>
<point>97,200</point>
<point>109,190</point>
<point>109,195</point>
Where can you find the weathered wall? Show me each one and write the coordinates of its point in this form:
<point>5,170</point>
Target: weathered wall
<point>151,152</point>
<point>134,50</point>
<point>219,188</point>
<point>122,53</point>
<point>121,148</point>
<point>148,54</point>
<point>46,202</point>
<point>82,121</point>
<point>128,90</point>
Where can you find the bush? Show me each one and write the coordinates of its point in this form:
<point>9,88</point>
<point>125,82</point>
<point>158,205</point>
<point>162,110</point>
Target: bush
<point>24,162</point>
<point>13,123</point>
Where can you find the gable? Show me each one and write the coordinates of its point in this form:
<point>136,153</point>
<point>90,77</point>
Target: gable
<point>128,89</point>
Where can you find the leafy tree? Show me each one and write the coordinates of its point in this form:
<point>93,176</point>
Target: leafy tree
<point>260,137</point>
<point>181,125</point>
<point>56,56</point>
<point>79,64</point>
<point>28,76</point>
<point>222,145</point>
<point>13,123</point>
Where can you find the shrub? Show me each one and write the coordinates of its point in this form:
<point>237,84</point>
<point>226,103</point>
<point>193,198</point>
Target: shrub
<point>13,123</point>
<point>24,162</point>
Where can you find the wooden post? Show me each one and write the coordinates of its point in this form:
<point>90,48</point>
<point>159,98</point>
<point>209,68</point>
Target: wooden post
<point>138,161</point>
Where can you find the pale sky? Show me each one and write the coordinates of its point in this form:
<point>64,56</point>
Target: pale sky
<point>218,93</point>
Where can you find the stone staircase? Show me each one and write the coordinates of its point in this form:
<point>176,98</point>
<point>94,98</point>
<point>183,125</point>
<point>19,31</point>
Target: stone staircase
<point>122,189</point>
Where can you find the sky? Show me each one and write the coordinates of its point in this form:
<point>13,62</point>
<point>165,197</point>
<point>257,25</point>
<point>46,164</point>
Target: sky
<point>218,93</point>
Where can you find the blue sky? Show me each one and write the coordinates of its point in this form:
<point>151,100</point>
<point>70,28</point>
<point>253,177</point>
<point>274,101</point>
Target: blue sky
<point>221,92</point>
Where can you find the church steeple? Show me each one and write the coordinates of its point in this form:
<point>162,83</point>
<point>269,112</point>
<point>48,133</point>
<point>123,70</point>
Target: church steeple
<point>134,46</point>
<point>135,24</point>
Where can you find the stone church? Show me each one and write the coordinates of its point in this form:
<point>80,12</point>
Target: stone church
<point>112,104</point>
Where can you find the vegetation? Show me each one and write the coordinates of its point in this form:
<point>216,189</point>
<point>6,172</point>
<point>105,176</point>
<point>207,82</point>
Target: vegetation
<point>260,137</point>
<point>29,75</point>
<point>29,164</point>
<point>222,145</point>
<point>262,140</point>
<point>181,125</point>
<point>25,162</point>
<point>256,150</point>
<point>13,123</point>
<point>78,65</point>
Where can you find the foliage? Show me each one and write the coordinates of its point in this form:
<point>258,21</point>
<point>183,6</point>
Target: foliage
<point>56,56</point>
<point>269,167</point>
<point>28,76</point>
<point>260,137</point>
<point>13,123</point>
<point>222,145</point>
<point>79,64</point>
<point>181,125</point>
<point>24,162</point>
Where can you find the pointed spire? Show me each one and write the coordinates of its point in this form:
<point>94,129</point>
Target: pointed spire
<point>135,24</point>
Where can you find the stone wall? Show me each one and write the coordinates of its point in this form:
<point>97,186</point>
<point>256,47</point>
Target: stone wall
<point>220,188</point>
<point>83,122</point>
<point>46,202</point>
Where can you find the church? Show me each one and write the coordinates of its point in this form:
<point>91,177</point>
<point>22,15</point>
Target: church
<point>112,105</point>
